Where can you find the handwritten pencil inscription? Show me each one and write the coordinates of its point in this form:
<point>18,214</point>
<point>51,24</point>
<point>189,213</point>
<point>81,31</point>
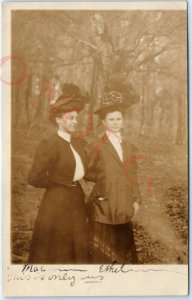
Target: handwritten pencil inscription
<point>71,277</point>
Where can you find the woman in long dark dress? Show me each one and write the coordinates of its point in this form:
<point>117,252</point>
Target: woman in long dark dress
<point>59,235</point>
<point>115,197</point>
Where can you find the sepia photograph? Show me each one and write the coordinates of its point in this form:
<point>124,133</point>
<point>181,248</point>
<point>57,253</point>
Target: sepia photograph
<point>98,139</point>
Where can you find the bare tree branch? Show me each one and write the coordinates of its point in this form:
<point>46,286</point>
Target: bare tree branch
<point>73,35</point>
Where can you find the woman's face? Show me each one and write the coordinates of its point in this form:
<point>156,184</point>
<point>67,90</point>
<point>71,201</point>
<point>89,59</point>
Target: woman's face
<point>68,121</point>
<point>113,121</point>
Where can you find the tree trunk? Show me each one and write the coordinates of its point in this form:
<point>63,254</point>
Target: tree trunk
<point>143,95</point>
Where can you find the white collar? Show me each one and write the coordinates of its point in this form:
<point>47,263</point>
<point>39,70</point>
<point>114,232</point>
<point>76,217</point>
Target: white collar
<point>64,135</point>
<point>116,137</point>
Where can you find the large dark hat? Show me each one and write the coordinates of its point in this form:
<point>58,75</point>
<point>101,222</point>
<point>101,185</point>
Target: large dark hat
<point>72,98</point>
<point>117,95</point>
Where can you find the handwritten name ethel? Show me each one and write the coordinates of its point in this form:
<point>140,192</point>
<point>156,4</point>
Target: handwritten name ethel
<point>114,268</point>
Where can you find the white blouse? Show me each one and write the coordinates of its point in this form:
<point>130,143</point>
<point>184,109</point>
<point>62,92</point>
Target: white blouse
<point>116,139</point>
<point>79,169</point>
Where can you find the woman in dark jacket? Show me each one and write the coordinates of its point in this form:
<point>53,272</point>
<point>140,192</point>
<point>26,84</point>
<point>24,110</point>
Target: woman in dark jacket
<point>115,197</point>
<point>60,230</point>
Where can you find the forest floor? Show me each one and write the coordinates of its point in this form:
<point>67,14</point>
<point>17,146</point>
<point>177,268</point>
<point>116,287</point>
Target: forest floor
<point>161,226</point>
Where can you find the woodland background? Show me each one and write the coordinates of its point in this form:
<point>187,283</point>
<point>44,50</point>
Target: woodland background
<point>145,48</point>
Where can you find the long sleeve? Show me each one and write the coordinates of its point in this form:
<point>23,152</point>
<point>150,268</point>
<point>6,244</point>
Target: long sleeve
<point>91,173</point>
<point>39,175</point>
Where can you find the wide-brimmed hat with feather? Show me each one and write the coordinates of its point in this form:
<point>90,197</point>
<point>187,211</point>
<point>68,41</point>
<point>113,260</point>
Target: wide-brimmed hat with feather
<point>72,98</point>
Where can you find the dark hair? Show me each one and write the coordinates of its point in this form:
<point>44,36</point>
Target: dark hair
<point>104,112</point>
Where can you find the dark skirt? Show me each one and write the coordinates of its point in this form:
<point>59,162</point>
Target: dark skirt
<point>60,233</point>
<point>111,243</point>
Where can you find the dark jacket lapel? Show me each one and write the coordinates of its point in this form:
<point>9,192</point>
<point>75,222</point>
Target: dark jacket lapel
<point>109,147</point>
<point>127,150</point>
